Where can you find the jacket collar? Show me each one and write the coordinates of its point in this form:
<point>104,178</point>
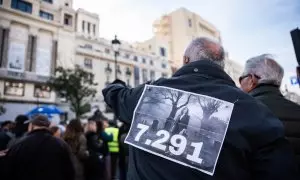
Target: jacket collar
<point>38,131</point>
<point>263,89</point>
<point>205,68</point>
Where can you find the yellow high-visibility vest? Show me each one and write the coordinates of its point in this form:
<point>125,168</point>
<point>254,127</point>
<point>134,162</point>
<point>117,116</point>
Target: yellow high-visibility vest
<point>114,145</point>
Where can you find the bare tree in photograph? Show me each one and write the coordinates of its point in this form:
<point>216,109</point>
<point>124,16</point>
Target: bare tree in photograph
<point>209,106</point>
<point>168,95</point>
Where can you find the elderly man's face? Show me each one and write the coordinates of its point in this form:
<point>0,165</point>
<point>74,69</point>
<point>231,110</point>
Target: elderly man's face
<point>248,82</point>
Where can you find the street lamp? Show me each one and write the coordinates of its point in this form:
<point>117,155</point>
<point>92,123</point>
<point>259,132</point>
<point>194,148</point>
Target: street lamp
<point>116,46</point>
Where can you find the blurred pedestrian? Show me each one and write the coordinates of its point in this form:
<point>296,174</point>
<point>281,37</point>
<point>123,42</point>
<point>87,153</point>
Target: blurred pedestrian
<point>262,79</point>
<point>105,139</point>
<point>20,129</point>
<point>75,138</point>
<point>39,155</point>
<point>113,148</point>
<point>6,134</point>
<point>254,145</point>
<point>124,151</point>
<point>95,166</point>
<point>56,132</point>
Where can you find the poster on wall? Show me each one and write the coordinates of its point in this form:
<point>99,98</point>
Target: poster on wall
<point>43,62</point>
<point>16,57</point>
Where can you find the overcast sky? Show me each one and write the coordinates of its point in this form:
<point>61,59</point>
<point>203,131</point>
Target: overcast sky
<point>248,27</point>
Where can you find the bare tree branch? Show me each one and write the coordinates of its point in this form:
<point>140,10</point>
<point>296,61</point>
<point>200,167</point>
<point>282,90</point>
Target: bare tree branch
<point>186,102</point>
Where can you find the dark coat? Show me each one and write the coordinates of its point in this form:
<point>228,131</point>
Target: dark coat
<point>254,146</point>
<point>39,156</point>
<point>287,111</point>
<point>95,163</point>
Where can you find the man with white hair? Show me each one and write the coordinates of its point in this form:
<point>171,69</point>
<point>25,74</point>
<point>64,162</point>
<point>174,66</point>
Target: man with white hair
<point>254,146</point>
<point>262,78</point>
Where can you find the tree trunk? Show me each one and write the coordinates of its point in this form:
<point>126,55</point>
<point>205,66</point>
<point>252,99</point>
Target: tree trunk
<point>170,120</point>
<point>206,115</point>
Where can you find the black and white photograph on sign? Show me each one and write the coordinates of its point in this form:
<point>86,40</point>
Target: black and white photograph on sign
<point>180,126</point>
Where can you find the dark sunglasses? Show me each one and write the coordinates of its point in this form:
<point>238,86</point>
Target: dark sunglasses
<point>248,75</point>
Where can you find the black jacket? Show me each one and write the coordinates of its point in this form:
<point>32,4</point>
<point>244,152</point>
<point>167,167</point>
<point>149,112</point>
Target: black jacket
<point>287,111</point>
<point>254,146</point>
<point>39,156</point>
<point>95,163</point>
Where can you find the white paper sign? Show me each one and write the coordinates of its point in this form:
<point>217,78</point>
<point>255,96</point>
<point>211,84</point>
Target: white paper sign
<point>43,62</point>
<point>183,127</point>
<point>16,57</point>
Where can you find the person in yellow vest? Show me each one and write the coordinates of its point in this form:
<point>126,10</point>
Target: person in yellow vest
<point>113,147</point>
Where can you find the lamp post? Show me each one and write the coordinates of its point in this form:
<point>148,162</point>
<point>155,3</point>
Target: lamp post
<point>116,46</point>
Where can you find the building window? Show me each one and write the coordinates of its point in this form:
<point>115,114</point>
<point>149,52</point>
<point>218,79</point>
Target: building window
<point>107,51</point>
<point>48,1</point>
<point>144,60</point>
<point>22,6</point>
<point>83,25</point>
<point>190,23</point>
<point>151,62</point>
<point>14,88</point>
<point>163,65</point>
<point>89,27</point>
<point>1,2</point>
<point>162,51</point>
<point>127,56</point>
<point>164,75</point>
<point>46,15</point>
<point>144,74</point>
<point>88,46</point>
<point>88,63</point>
<point>150,47</point>
<point>68,20</point>
<point>119,69</point>
<point>42,91</point>
<point>94,29</point>
<point>152,75</point>
<point>67,4</point>
<point>135,58</point>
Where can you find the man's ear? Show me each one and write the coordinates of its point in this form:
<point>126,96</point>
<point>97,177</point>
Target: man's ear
<point>186,60</point>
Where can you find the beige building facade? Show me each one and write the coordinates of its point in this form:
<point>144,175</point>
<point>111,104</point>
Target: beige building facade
<point>38,36</point>
<point>174,31</point>
<point>179,28</point>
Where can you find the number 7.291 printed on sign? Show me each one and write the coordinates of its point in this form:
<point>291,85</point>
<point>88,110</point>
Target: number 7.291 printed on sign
<point>180,126</point>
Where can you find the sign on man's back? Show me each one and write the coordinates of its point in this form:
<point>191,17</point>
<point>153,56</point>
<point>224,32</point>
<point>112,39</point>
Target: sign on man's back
<point>183,127</point>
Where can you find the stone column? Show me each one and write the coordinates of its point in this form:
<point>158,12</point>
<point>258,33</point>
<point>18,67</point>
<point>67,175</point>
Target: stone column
<point>1,45</point>
<point>53,57</point>
<point>33,55</point>
<point>29,53</point>
<point>4,55</point>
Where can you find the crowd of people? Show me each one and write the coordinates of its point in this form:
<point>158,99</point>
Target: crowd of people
<point>262,141</point>
<point>35,149</point>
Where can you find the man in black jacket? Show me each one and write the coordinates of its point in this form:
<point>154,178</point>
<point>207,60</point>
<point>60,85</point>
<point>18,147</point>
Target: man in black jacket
<point>262,78</point>
<point>39,155</point>
<point>254,146</point>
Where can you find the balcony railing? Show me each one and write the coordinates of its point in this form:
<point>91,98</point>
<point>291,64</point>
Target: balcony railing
<point>22,76</point>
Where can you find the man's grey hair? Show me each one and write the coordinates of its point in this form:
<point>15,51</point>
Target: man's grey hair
<point>266,68</point>
<point>205,48</point>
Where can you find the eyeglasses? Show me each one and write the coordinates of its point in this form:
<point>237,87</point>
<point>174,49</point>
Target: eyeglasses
<point>247,75</point>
